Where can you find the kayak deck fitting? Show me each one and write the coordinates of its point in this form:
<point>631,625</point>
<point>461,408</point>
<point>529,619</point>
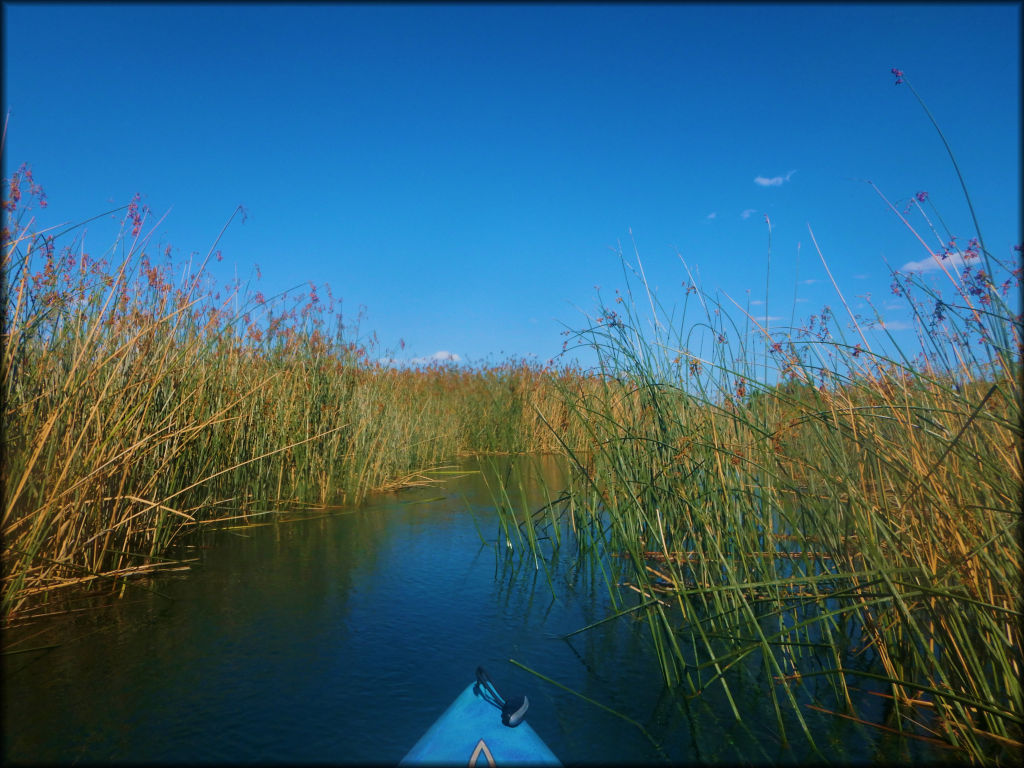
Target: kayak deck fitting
<point>481,728</point>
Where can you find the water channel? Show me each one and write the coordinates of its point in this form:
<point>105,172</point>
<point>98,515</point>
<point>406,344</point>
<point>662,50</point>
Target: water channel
<point>340,639</point>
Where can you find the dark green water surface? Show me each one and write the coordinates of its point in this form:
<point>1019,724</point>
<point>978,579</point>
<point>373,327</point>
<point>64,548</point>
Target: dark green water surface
<point>341,639</point>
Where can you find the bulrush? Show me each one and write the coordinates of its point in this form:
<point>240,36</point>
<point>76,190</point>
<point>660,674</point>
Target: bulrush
<point>799,505</point>
<point>142,400</point>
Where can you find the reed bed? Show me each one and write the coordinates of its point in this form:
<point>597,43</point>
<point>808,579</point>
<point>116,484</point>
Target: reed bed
<point>142,401</point>
<point>797,502</point>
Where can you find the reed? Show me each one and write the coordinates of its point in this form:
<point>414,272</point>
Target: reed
<point>799,502</point>
<point>141,400</point>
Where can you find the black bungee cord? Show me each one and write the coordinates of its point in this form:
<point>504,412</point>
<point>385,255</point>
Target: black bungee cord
<point>512,710</point>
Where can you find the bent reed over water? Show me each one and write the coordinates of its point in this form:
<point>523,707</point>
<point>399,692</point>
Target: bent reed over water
<point>760,496</point>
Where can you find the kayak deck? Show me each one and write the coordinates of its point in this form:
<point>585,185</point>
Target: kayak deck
<point>470,732</point>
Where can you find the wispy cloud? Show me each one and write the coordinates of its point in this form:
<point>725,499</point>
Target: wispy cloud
<point>774,181</point>
<point>809,281</point>
<point>896,325</point>
<point>955,261</point>
<point>713,214</point>
<point>766,318</point>
<point>756,302</point>
<point>748,213</point>
<point>441,356</point>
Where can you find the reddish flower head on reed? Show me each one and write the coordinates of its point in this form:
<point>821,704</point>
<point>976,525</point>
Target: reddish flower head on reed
<point>135,216</point>
<point>13,193</point>
<point>14,189</point>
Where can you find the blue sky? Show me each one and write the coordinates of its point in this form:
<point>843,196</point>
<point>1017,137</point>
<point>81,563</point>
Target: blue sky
<point>467,172</point>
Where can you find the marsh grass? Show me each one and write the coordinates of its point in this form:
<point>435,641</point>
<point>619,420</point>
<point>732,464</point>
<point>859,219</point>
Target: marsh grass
<point>868,518</point>
<point>794,501</point>
<point>142,401</point>
<point>797,501</point>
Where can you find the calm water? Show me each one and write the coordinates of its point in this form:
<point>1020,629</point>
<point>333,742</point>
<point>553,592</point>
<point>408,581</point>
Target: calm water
<point>341,639</point>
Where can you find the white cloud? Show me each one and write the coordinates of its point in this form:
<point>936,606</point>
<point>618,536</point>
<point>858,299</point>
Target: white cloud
<point>774,181</point>
<point>766,318</point>
<point>747,213</point>
<point>442,356</point>
<point>756,303</point>
<point>895,325</point>
<point>809,281</point>
<point>955,261</point>
<point>712,215</point>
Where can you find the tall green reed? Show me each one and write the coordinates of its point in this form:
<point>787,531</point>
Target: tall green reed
<point>142,400</point>
<point>800,501</point>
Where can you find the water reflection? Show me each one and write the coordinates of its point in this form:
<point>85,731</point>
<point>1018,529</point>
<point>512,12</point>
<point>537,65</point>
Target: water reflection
<point>340,639</point>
